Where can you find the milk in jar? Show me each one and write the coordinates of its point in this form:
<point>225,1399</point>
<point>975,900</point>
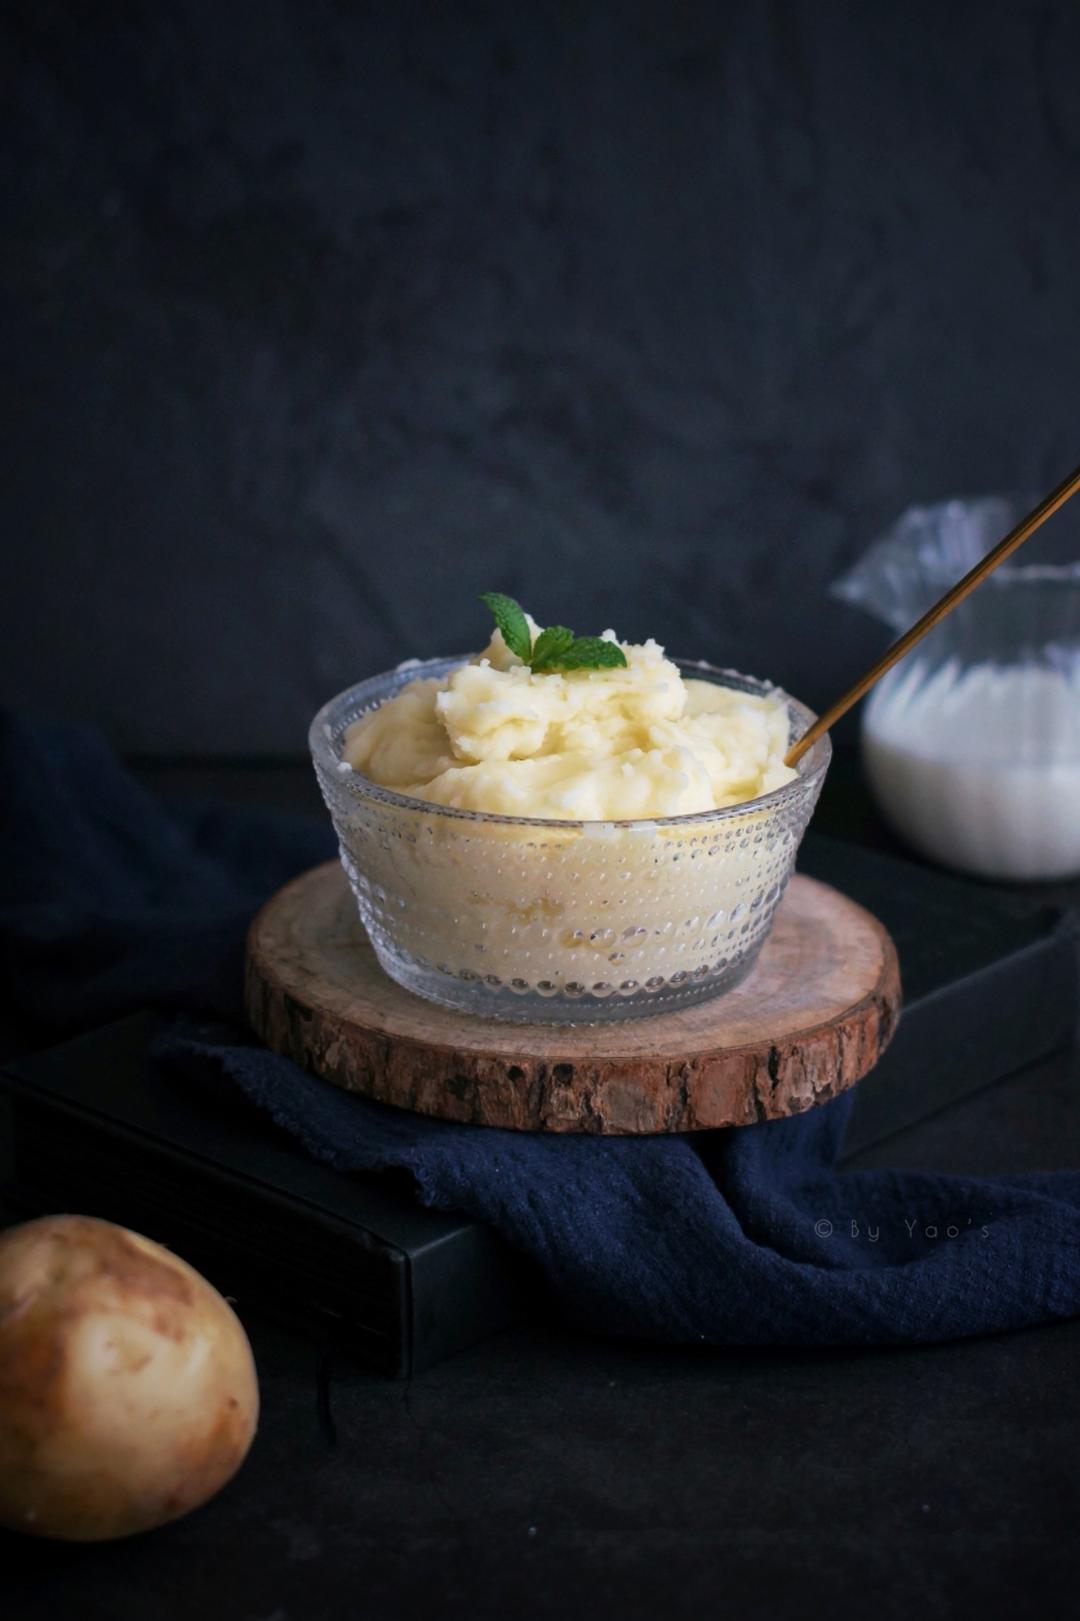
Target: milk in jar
<point>971,744</point>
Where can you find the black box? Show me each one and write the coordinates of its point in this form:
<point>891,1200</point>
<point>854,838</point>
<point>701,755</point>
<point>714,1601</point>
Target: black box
<point>991,982</point>
<point>91,1128</point>
<point>989,986</point>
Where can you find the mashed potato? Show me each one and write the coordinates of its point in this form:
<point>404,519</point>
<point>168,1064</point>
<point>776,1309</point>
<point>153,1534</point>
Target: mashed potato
<point>583,745</point>
<point>646,869</point>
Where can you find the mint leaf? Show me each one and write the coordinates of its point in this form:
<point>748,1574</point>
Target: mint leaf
<point>510,619</point>
<point>551,644</point>
<point>557,648</point>
<point>592,653</point>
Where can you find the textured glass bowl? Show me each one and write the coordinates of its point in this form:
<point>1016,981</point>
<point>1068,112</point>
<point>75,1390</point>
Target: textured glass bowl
<point>513,917</point>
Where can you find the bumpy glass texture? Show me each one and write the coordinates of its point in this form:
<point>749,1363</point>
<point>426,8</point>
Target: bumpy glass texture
<point>561,922</point>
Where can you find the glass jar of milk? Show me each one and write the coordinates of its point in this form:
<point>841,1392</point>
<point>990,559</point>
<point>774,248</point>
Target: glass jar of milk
<point>971,744</point>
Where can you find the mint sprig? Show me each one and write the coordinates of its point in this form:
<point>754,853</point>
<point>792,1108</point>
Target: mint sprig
<point>556,648</point>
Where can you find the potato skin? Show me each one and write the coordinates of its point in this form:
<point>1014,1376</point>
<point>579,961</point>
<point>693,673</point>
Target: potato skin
<point>128,1392</point>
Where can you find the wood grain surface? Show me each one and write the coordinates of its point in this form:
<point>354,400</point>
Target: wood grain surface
<point>812,1018</point>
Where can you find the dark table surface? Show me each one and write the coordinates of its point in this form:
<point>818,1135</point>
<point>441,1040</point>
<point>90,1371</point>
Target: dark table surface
<point>543,1475</point>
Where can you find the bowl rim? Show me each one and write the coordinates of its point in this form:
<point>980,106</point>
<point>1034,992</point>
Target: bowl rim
<point>809,770</point>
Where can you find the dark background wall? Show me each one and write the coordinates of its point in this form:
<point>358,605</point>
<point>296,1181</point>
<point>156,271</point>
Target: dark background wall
<point>322,317</point>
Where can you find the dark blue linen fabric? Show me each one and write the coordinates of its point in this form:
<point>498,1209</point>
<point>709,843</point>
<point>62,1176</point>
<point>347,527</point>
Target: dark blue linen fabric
<point>110,901</point>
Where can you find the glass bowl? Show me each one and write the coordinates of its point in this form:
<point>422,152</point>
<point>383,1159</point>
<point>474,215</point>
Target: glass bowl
<point>552,922</point>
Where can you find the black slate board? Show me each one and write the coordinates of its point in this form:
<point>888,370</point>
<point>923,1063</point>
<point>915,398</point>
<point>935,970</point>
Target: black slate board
<point>990,984</point>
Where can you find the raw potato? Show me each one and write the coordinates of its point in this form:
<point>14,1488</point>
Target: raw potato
<point>128,1392</point>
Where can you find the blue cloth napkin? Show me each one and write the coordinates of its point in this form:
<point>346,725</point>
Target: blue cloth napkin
<point>110,901</point>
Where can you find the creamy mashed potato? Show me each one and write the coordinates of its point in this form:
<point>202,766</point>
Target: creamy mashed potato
<point>582,745</point>
<point>613,897</point>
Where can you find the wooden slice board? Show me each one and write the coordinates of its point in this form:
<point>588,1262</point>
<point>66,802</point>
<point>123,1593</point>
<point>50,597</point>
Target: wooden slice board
<point>812,1018</point>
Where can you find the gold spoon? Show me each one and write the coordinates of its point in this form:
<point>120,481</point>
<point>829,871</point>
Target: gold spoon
<point>933,616</point>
